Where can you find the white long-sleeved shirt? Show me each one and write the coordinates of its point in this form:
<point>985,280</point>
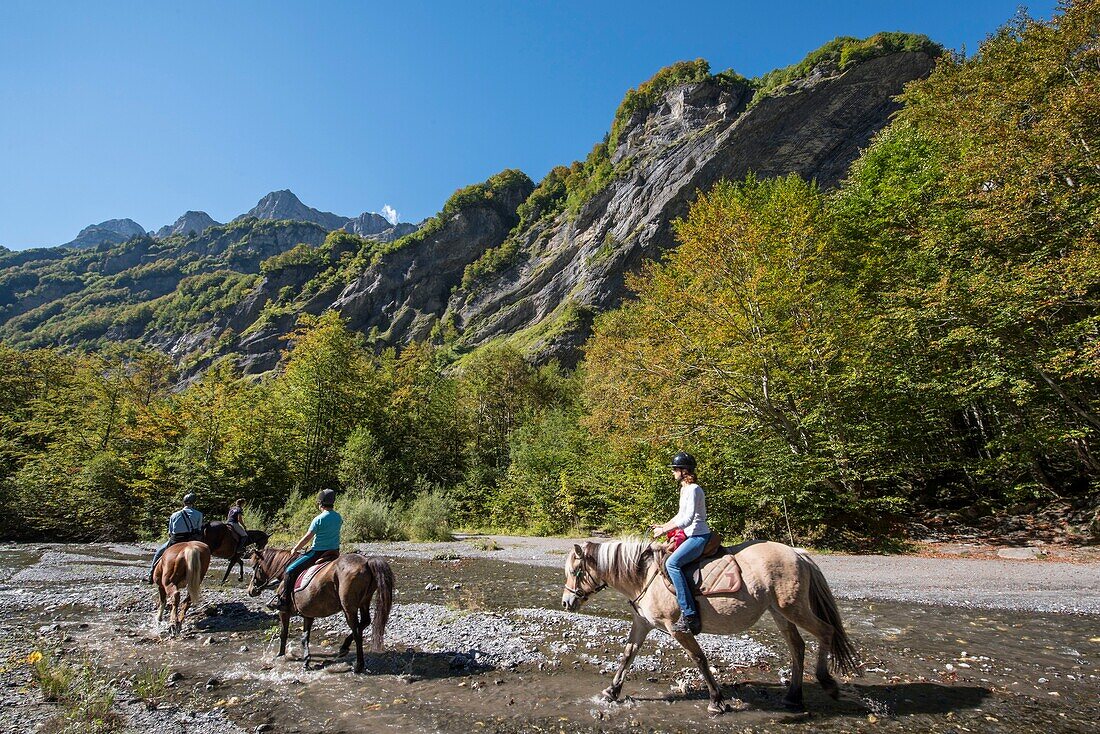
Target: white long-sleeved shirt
<point>692,516</point>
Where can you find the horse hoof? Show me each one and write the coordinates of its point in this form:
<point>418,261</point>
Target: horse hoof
<point>609,695</point>
<point>794,706</point>
<point>360,668</point>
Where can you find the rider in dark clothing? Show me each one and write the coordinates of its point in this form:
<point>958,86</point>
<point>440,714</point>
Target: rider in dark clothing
<point>184,525</point>
<point>235,521</point>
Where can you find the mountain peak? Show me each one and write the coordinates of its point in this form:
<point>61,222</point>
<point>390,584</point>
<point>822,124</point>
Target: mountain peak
<point>191,222</point>
<point>112,231</point>
<point>285,204</point>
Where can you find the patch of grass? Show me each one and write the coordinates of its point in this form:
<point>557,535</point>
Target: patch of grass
<point>86,699</point>
<point>470,601</point>
<point>486,544</point>
<point>151,684</point>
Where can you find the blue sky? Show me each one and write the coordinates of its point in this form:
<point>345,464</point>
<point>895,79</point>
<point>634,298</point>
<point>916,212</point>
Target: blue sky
<point>145,110</point>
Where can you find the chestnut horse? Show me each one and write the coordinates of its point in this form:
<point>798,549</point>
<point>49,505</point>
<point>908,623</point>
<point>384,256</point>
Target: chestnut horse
<point>182,567</point>
<point>346,584</point>
<point>776,579</point>
<point>223,544</point>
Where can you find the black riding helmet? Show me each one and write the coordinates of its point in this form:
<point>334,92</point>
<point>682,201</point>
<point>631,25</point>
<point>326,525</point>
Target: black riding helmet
<point>683,460</point>
<point>326,497</point>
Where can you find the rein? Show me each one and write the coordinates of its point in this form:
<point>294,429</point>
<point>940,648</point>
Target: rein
<point>638,598</point>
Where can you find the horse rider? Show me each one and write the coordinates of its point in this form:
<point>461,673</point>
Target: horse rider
<point>692,519</point>
<point>185,524</point>
<point>235,521</point>
<point>324,531</point>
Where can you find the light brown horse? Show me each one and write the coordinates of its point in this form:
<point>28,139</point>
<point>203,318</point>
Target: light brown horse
<point>776,578</point>
<point>347,584</point>
<point>182,567</point>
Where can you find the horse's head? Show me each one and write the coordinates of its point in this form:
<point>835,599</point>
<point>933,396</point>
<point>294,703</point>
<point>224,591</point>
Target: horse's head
<point>262,575</point>
<point>581,580</point>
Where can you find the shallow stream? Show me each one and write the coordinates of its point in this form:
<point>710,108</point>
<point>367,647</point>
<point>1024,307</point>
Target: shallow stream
<point>490,650</point>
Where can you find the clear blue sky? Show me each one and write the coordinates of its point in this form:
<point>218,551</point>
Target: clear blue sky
<point>147,109</point>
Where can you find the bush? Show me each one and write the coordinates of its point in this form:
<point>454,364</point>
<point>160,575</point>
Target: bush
<point>369,517</point>
<point>429,517</point>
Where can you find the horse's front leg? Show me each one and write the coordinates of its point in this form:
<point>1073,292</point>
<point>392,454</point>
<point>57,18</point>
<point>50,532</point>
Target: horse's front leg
<point>173,612</point>
<point>638,632</point>
<point>162,602</point>
<point>307,627</point>
<point>690,644</point>
<point>228,569</point>
<point>240,569</point>
<point>284,632</point>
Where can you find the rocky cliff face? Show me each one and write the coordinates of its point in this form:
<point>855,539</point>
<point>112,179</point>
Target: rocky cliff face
<point>574,265</point>
<point>111,232</point>
<point>189,223</point>
<point>374,226</point>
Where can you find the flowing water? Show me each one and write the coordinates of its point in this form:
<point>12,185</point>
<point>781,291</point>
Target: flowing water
<point>482,645</point>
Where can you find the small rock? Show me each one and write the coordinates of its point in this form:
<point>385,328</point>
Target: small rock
<point>242,648</point>
<point>456,587</point>
<point>212,684</point>
<point>264,727</point>
<point>432,587</point>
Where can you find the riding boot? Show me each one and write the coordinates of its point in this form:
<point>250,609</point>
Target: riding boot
<point>281,601</point>
<point>688,624</point>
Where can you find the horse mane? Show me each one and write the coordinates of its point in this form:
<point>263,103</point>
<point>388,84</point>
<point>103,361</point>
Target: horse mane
<point>624,559</point>
<point>271,558</point>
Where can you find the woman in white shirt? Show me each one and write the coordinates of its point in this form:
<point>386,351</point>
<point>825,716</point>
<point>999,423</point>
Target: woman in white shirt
<point>692,518</point>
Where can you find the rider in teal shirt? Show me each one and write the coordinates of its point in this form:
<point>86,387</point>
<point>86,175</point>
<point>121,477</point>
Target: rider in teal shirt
<point>324,531</point>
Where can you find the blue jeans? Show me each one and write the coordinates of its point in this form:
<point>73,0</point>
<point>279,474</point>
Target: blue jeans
<point>299,564</point>
<point>157,555</point>
<point>688,551</point>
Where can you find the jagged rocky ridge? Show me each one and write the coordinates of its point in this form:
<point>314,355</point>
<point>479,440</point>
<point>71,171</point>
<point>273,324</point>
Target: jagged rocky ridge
<point>189,223</point>
<point>546,276</point>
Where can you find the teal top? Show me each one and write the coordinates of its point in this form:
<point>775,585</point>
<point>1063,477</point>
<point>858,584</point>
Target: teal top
<point>326,531</point>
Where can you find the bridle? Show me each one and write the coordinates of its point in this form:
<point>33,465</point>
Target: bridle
<point>259,567</point>
<point>579,575</point>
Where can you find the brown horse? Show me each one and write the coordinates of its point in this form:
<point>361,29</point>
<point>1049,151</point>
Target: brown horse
<point>347,584</point>
<point>182,567</point>
<point>223,544</point>
<point>776,578</point>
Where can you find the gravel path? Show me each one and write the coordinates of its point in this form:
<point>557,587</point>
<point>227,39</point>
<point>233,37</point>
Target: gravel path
<point>1022,585</point>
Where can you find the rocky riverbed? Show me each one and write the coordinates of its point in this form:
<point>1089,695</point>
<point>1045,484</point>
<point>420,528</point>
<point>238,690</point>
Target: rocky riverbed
<point>477,641</point>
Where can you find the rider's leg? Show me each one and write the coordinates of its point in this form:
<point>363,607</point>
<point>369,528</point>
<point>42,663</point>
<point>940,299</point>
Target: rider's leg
<point>286,587</point>
<point>688,551</point>
<point>156,557</point>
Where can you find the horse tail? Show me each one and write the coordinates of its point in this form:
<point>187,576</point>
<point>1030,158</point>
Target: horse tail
<point>383,582</point>
<point>192,558</point>
<point>843,655</point>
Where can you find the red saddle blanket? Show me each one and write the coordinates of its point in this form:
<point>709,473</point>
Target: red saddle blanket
<point>712,576</point>
<point>306,576</point>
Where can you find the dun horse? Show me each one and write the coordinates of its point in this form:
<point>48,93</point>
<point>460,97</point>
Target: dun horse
<point>182,567</point>
<point>347,584</point>
<point>776,578</point>
<point>223,544</point>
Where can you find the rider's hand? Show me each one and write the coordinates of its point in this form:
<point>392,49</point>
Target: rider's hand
<point>657,530</point>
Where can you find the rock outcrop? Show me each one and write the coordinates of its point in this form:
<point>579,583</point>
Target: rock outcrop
<point>111,232</point>
<point>191,223</point>
<point>694,136</point>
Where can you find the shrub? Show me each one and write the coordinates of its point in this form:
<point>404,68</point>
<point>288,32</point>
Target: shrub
<point>429,517</point>
<point>369,517</point>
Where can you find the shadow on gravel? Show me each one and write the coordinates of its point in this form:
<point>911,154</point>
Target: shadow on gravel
<point>234,616</point>
<point>883,700</point>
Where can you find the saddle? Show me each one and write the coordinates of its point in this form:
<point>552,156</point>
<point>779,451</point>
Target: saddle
<point>306,576</point>
<point>715,572</point>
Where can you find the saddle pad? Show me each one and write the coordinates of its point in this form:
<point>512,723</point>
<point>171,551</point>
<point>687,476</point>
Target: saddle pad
<point>711,576</point>
<point>306,576</point>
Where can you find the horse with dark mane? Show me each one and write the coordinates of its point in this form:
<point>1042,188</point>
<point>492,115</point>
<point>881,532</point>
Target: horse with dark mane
<point>223,544</point>
<point>778,579</point>
<point>345,584</point>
